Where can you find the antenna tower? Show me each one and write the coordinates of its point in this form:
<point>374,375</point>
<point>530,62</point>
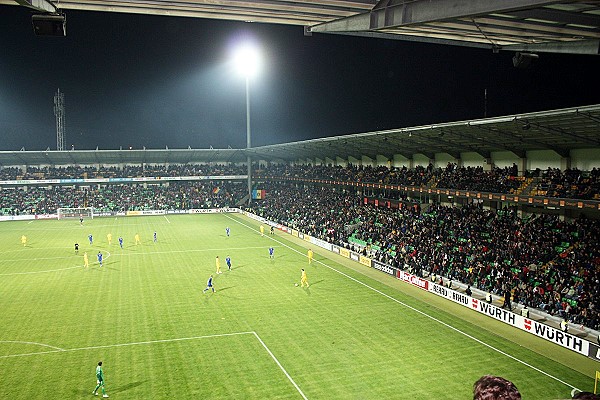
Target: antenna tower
<point>59,112</point>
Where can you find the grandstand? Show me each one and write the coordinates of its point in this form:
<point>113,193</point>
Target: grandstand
<point>495,215</point>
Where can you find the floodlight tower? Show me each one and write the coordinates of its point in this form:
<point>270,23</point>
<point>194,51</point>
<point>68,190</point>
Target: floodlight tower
<point>59,113</point>
<point>247,61</point>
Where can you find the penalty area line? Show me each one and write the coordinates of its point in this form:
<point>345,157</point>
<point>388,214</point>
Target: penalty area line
<point>35,343</point>
<point>419,311</point>
<point>280,366</point>
<point>108,346</point>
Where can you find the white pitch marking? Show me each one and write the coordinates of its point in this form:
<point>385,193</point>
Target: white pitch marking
<point>58,350</point>
<point>280,366</point>
<point>36,259</point>
<point>123,255</point>
<point>418,311</point>
<point>36,343</point>
<point>41,272</point>
<point>167,218</point>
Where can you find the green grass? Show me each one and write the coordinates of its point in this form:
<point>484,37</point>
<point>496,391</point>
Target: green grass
<point>351,335</point>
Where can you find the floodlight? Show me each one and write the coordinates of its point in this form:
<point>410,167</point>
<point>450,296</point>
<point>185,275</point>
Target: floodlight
<point>247,60</point>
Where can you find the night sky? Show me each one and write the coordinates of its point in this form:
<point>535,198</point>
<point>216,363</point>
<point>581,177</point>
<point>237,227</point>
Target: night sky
<point>138,80</point>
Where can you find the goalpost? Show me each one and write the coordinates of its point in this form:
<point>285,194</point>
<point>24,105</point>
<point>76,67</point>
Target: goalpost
<point>596,382</point>
<point>85,212</point>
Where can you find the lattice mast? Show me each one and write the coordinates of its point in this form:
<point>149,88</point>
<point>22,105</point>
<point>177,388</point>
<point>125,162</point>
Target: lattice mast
<point>59,112</point>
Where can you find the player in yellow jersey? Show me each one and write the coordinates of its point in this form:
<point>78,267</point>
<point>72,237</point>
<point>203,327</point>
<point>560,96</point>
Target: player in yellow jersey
<point>262,230</point>
<point>86,261</point>
<point>24,240</point>
<point>109,238</point>
<point>218,264</point>
<point>310,256</point>
<point>303,278</point>
<point>137,239</point>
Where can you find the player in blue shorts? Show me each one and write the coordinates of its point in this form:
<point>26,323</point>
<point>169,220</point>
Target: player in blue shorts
<point>228,262</point>
<point>209,285</point>
<point>155,239</point>
<point>91,239</point>
<point>271,252</point>
<point>227,231</point>
<point>100,258</point>
<point>121,241</point>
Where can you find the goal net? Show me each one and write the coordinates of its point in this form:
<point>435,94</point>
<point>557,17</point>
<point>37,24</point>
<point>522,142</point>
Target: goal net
<point>83,212</point>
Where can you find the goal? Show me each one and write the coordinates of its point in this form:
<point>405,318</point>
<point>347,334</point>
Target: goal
<point>85,212</point>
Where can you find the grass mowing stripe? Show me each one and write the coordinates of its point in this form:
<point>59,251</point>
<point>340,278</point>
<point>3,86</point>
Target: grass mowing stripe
<point>416,310</point>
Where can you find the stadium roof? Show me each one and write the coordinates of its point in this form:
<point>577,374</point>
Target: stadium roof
<point>566,26</point>
<point>116,157</point>
<point>558,130</point>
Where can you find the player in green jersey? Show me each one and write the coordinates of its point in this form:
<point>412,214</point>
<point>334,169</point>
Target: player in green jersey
<point>99,381</point>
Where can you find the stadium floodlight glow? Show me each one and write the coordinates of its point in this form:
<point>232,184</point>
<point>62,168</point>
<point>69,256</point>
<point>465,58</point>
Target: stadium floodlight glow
<point>247,60</point>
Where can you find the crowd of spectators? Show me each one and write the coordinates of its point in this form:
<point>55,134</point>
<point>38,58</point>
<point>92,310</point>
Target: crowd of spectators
<point>498,180</point>
<point>127,171</point>
<point>418,176</point>
<point>571,183</point>
<point>121,198</point>
<point>547,263</point>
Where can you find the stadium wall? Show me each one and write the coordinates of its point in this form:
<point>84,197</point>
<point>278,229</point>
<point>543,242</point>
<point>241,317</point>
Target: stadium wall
<point>585,159</point>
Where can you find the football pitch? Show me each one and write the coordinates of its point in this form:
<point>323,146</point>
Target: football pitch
<point>355,333</point>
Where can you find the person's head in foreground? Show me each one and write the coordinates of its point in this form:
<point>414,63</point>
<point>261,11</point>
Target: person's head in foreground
<point>490,387</point>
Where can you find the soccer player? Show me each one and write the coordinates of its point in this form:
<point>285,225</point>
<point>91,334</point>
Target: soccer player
<point>155,239</point>
<point>228,262</point>
<point>91,239</point>
<point>81,220</point>
<point>310,256</point>
<point>209,285</point>
<point>262,230</point>
<point>24,240</point>
<point>227,231</point>
<point>271,252</point>
<point>100,258</point>
<point>218,264</point>
<point>137,239</point>
<point>76,248</point>
<point>109,238</point>
<point>303,278</point>
<point>121,241</point>
<point>99,381</point>
<point>86,261</point>
<point>272,230</point>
